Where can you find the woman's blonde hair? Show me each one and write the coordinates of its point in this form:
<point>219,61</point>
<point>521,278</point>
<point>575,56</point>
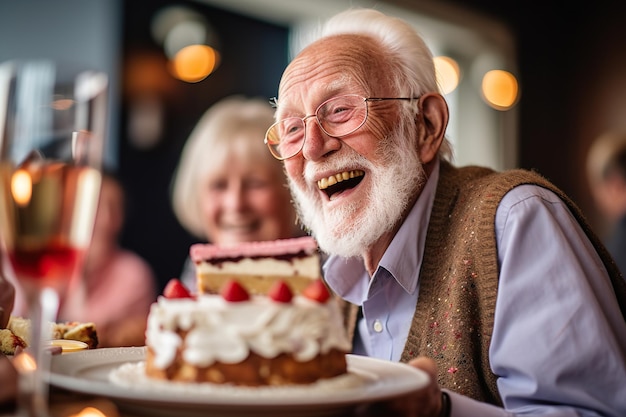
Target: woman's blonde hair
<point>234,124</point>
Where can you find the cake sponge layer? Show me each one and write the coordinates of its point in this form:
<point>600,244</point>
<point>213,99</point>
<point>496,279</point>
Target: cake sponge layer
<point>257,265</point>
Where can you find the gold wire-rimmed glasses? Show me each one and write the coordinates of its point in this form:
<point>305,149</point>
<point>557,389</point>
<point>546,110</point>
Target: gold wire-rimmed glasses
<point>337,117</point>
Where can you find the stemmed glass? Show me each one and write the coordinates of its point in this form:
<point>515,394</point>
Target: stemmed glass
<point>52,130</point>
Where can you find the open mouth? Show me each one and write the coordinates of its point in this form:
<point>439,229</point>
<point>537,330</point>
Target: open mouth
<point>340,182</point>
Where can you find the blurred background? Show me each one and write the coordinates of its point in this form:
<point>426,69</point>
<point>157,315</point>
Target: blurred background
<point>528,85</point>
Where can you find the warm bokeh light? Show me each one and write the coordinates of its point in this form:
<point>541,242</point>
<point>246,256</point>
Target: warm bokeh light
<point>194,63</point>
<point>89,412</point>
<point>184,34</point>
<point>500,89</point>
<point>21,187</point>
<point>24,362</point>
<point>448,73</point>
<point>98,407</point>
<point>189,42</point>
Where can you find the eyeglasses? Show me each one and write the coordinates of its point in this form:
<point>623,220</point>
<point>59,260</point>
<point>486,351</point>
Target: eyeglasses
<point>337,117</point>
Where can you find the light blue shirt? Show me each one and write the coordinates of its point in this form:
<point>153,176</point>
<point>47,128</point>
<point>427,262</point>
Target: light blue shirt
<point>558,338</point>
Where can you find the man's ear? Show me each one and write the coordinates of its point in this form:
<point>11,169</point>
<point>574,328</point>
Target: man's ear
<point>433,113</point>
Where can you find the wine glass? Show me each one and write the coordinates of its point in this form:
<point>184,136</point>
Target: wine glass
<point>52,129</point>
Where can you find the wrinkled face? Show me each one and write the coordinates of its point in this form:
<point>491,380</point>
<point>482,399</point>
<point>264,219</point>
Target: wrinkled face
<point>246,200</point>
<point>378,165</point>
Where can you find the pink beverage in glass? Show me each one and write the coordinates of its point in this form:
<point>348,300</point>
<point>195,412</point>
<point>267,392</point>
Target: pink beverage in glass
<point>49,211</point>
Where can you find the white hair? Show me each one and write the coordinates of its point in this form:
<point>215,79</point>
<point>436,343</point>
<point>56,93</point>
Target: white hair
<point>411,61</point>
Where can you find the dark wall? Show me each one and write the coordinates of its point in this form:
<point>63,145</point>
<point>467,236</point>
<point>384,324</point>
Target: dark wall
<point>254,54</point>
<point>572,63</point>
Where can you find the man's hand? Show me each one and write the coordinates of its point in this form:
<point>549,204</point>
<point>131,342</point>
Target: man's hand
<point>426,402</point>
<point>7,298</point>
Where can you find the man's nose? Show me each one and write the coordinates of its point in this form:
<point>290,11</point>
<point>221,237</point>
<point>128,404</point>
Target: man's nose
<point>316,142</point>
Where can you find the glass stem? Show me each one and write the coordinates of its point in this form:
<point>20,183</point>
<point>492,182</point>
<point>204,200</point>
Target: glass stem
<point>33,364</point>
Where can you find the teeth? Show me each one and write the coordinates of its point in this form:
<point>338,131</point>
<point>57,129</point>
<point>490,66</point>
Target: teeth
<point>334,179</point>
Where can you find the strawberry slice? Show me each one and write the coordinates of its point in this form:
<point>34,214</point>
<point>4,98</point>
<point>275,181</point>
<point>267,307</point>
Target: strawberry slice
<point>233,291</point>
<point>176,289</point>
<point>280,292</point>
<point>316,291</point>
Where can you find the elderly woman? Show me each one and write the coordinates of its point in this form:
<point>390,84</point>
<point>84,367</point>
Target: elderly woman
<point>227,187</point>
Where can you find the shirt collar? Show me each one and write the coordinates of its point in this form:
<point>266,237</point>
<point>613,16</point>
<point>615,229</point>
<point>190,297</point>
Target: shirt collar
<point>348,277</point>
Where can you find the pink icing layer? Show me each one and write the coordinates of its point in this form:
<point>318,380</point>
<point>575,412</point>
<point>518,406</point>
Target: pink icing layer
<point>202,251</point>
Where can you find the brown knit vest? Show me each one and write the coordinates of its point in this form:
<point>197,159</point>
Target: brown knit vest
<point>454,317</point>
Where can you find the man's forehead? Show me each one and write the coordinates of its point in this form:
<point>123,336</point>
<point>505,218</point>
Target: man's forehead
<point>351,47</point>
<point>331,64</point>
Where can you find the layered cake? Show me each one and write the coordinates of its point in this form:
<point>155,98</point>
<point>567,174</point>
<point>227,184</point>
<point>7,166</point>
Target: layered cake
<point>256,265</point>
<point>262,327</point>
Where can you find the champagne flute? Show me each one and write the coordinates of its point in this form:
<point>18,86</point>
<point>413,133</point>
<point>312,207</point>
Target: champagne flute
<point>52,129</point>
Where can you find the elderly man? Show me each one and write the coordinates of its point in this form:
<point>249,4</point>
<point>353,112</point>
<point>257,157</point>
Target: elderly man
<point>491,282</point>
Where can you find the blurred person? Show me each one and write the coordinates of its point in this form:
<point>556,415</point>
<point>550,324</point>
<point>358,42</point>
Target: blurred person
<point>117,286</point>
<point>7,298</point>
<point>227,188</point>
<point>8,374</point>
<point>491,282</point>
<point>606,168</point>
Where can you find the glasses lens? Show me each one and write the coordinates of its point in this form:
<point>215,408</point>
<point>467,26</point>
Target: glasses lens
<point>286,137</point>
<point>338,117</point>
<point>342,115</point>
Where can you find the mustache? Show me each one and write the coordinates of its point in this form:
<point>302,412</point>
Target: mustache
<point>347,161</point>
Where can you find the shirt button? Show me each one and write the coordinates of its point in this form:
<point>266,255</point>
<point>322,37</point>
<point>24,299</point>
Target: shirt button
<point>378,326</point>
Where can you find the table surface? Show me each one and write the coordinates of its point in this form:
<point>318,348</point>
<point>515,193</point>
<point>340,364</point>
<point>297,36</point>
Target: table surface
<point>64,403</point>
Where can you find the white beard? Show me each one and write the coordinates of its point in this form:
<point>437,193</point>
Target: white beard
<point>351,229</point>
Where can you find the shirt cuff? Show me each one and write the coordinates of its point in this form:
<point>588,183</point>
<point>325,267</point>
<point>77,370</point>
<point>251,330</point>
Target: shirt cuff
<point>462,406</point>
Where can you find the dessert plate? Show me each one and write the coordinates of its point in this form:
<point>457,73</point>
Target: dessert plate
<point>117,373</point>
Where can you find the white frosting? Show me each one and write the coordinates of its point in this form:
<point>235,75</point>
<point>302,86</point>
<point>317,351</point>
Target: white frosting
<point>224,331</point>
